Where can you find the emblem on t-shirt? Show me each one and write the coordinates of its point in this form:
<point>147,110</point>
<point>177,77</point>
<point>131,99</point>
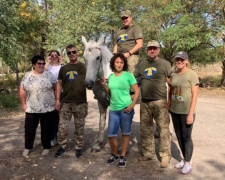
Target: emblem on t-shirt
<point>122,37</point>
<point>177,94</point>
<point>149,72</point>
<point>72,75</point>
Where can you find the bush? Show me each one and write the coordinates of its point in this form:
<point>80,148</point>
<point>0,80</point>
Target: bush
<point>9,101</point>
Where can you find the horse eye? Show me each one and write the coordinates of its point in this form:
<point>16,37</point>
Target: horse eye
<point>89,49</point>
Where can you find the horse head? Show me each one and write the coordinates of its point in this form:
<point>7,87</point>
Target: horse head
<point>97,58</point>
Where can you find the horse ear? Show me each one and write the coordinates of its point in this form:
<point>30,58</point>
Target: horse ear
<point>84,41</point>
<point>101,41</point>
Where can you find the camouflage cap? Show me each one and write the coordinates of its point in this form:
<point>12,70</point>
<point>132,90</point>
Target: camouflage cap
<point>153,43</point>
<point>182,55</point>
<point>126,13</point>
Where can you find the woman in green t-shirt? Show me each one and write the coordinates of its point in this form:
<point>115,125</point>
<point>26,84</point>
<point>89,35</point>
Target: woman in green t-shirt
<point>182,101</point>
<point>121,110</point>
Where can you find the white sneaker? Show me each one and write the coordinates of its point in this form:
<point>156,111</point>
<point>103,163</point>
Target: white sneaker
<point>186,169</point>
<point>180,164</point>
<point>45,152</point>
<point>26,152</point>
<point>52,143</point>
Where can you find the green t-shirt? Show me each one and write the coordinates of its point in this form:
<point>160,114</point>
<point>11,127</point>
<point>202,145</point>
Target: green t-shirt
<point>181,91</point>
<point>153,78</point>
<point>119,87</point>
<point>73,83</point>
<point>126,38</point>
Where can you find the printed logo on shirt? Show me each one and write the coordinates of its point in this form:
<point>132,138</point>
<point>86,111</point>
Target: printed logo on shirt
<point>177,95</point>
<point>122,37</point>
<point>149,72</point>
<point>72,75</point>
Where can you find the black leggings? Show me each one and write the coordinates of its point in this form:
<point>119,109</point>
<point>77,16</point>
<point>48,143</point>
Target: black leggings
<point>183,133</point>
<point>31,124</point>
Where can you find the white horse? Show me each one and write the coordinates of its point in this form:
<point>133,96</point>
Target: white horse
<point>97,59</point>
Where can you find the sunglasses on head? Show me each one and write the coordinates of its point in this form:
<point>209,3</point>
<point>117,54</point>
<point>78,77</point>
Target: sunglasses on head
<point>70,52</point>
<point>38,63</point>
<point>124,18</point>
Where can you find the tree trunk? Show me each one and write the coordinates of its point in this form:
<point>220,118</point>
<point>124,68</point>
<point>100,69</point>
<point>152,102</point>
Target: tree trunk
<point>222,84</point>
<point>17,78</point>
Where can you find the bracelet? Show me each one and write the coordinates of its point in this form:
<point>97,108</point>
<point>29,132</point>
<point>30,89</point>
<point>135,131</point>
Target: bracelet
<point>129,53</point>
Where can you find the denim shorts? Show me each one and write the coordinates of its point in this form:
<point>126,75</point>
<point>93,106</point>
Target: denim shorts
<point>119,119</point>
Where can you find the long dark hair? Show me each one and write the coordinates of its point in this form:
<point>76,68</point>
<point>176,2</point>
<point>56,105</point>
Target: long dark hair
<point>122,57</point>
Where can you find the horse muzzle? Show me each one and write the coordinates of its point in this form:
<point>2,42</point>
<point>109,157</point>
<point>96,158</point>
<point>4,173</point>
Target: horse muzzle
<point>89,84</point>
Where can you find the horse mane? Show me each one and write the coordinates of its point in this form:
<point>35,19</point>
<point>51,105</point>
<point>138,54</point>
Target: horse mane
<point>106,57</point>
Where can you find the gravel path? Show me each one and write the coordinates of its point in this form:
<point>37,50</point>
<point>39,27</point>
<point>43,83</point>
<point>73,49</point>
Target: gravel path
<point>208,162</point>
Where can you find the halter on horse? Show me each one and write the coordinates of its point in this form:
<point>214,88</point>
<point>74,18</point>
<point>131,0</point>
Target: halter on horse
<point>97,59</point>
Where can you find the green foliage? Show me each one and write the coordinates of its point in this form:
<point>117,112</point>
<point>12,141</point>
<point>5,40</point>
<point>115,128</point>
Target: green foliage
<point>8,101</point>
<point>26,28</point>
<point>21,25</point>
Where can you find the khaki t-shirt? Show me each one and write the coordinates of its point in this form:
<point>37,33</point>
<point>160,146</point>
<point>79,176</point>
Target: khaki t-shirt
<point>153,78</point>
<point>73,83</point>
<point>126,38</point>
<point>181,91</point>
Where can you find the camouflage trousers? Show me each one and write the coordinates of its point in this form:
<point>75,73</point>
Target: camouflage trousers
<point>79,112</point>
<point>132,62</point>
<point>156,110</point>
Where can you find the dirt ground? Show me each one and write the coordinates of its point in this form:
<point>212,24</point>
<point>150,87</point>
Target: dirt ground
<point>208,157</point>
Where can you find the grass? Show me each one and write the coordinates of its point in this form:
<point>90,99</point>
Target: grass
<point>215,80</point>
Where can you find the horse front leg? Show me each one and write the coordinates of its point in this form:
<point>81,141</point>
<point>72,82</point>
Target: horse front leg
<point>102,121</point>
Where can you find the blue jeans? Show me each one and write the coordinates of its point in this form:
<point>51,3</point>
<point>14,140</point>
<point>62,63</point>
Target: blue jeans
<point>119,119</point>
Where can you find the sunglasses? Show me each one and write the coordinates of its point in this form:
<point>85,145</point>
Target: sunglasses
<point>124,18</point>
<point>152,48</point>
<point>70,52</point>
<point>54,56</point>
<point>179,59</point>
<point>40,64</point>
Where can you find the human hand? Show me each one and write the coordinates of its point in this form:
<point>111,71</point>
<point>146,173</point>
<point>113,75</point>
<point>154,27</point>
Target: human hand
<point>190,119</point>
<point>57,105</point>
<point>103,81</point>
<point>128,109</point>
<point>127,55</point>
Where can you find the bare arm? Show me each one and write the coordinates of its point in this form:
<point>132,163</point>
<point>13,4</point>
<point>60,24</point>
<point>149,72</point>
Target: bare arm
<point>170,90</point>
<point>58,92</point>
<point>194,91</point>
<point>23,98</point>
<point>115,49</point>
<point>139,44</point>
<point>103,82</point>
<point>47,63</point>
<point>135,98</point>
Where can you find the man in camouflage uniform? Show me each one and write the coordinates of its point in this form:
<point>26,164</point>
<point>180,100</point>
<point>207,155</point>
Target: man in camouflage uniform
<point>154,73</point>
<point>71,80</point>
<point>129,40</point>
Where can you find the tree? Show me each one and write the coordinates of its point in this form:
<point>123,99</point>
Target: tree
<point>20,24</point>
<point>217,25</point>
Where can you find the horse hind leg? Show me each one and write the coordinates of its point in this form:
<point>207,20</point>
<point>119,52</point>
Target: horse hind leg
<point>98,142</point>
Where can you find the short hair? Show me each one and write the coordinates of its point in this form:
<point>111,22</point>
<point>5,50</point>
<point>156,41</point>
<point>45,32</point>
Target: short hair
<point>35,59</point>
<point>70,46</point>
<point>57,52</point>
<point>113,59</point>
